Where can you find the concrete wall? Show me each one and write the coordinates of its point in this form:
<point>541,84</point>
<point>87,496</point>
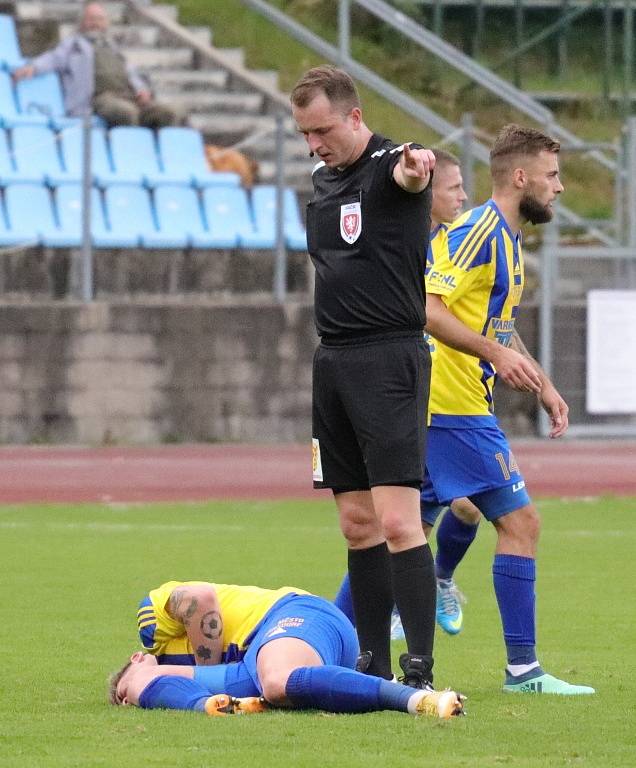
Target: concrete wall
<point>193,370</point>
<point>140,373</point>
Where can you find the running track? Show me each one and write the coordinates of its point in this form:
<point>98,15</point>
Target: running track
<point>198,472</point>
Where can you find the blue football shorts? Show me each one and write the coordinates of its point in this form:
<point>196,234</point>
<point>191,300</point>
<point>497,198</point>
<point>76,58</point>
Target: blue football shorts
<point>312,619</point>
<point>430,508</point>
<point>476,463</point>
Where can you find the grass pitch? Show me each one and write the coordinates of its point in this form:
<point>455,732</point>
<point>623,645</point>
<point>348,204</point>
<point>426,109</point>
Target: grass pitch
<point>72,577</point>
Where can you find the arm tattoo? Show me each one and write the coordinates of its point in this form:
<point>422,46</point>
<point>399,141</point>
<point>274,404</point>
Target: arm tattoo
<point>191,610</point>
<point>204,653</point>
<point>174,603</point>
<point>179,608</point>
<point>212,625</point>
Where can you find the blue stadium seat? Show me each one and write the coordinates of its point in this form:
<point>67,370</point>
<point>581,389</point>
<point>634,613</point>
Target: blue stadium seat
<point>264,208</point>
<point>68,206</point>
<point>35,154</point>
<point>179,218</point>
<point>7,169</point>
<point>133,154</point>
<point>41,97</point>
<point>71,147</point>
<point>229,220</point>
<point>10,55</point>
<point>29,212</point>
<point>9,113</point>
<point>7,236</point>
<point>183,161</point>
<point>128,216</point>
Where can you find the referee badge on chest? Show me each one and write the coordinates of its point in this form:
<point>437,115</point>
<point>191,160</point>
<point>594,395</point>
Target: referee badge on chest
<point>350,222</point>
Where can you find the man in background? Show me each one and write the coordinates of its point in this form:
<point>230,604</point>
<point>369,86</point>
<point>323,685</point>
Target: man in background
<point>95,76</point>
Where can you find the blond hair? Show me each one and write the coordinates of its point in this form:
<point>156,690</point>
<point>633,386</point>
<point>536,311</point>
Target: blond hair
<point>335,83</point>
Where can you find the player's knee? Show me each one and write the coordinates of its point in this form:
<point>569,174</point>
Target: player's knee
<point>274,684</point>
<point>466,511</point>
<point>523,525</point>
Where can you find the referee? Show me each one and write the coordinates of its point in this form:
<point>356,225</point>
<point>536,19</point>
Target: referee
<point>368,227</point>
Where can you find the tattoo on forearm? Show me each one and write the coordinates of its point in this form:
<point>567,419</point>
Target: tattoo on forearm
<point>204,653</point>
<point>212,625</point>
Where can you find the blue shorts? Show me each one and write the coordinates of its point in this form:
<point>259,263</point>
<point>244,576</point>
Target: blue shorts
<point>430,508</point>
<point>476,463</point>
<point>312,619</point>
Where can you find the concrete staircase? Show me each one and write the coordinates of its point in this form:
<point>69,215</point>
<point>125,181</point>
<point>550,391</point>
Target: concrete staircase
<point>175,61</point>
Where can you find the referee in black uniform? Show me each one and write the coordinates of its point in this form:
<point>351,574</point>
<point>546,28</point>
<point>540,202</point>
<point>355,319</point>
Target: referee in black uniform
<point>368,228</point>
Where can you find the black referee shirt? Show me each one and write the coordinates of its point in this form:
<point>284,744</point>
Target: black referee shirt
<point>368,240</point>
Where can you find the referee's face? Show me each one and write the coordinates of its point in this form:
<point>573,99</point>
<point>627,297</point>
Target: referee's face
<point>331,135</point>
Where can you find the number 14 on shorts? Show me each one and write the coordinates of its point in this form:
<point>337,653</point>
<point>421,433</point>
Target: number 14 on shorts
<point>508,468</point>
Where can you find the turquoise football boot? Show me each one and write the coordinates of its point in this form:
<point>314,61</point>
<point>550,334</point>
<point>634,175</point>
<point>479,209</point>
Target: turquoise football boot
<point>449,613</point>
<point>543,683</point>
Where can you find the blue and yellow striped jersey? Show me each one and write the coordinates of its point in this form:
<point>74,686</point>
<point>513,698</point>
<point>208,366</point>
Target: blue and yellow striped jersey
<point>242,610</point>
<point>476,266</point>
<point>437,244</point>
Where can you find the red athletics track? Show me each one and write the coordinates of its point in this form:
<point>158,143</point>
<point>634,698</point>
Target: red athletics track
<point>197,472</point>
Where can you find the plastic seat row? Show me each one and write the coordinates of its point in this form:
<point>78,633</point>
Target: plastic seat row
<point>10,55</point>
<point>127,216</point>
<point>124,155</point>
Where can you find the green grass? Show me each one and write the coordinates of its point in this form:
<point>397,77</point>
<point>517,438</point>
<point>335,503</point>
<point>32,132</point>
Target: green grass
<point>72,576</point>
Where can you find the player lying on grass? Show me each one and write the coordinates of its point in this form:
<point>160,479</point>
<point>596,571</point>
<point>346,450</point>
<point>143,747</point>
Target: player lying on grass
<point>291,648</point>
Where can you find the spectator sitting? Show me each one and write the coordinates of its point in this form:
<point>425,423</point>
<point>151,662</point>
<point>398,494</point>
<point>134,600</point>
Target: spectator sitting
<point>95,76</point>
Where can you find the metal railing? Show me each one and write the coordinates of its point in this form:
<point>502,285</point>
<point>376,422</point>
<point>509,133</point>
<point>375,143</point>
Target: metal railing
<point>622,277</point>
<point>417,109</point>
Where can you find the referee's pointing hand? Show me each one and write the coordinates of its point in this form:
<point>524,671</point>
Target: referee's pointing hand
<point>413,171</point>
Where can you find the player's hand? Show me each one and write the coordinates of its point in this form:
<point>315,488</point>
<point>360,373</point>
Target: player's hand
<point>516,370</point>
<point>556,408</point>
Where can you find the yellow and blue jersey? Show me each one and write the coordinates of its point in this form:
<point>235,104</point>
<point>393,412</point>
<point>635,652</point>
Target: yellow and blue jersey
<point>242,610</point>
<point>437,244</point>
<point>476,266</point>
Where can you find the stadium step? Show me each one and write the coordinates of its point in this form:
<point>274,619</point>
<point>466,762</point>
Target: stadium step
<point>229,129</point>
<point>297,173</point>
<point>178,81</point>
<point>158,58</point>
<point>62,10</point>
<point>217,103</point>
<point>295,148</point>
<point>268,77</point>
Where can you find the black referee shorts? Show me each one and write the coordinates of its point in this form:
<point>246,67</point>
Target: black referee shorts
<point>369,413</point>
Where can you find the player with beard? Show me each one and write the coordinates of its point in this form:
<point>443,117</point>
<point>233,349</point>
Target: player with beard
<point>473,295</point>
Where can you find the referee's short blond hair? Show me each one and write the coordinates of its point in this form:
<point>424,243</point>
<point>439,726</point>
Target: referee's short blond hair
<point>336,84</point>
